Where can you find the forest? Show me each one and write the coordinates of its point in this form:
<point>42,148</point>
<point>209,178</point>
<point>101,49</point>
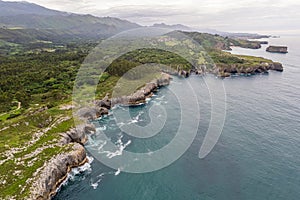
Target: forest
<point>44,72</point>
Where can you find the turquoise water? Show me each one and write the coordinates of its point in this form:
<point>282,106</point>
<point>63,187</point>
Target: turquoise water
<point>257,156</point>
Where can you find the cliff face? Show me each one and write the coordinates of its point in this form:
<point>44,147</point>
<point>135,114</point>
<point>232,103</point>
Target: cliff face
<point>228,70</point>
<point>55,172</point>
<point>101,107</point>
<point>277,49</point>
<point>134,99</point>
<point>49,178</point>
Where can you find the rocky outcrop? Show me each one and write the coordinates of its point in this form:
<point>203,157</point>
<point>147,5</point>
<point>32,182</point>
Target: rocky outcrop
<point>277,49</point>
<point>228,70</point>
<point>263,42</point>
<point>249,44</point>
<point>104,103</point>
<point>55,172</point>
<point>77,135</point>
<point>276,66</point>
<point>183,73</point>
<point>140,95</point>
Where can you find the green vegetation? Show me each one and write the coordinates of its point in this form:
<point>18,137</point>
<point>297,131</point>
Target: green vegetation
<point>37,78</point>
<point>33,87</point>
<point>227,58</point>
<point>209,41</point>
<point>26,142</point>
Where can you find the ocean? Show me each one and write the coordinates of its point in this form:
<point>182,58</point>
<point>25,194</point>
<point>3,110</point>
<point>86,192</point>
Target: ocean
<point>257,156</point>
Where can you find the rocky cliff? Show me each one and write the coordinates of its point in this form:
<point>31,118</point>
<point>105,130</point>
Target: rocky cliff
<point>55,172</point>
<point>277,49</point>
<point>228,70</point>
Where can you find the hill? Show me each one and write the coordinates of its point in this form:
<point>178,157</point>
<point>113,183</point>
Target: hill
<point>173,27</point>
<point>20,8</point>
<point>22,21</point>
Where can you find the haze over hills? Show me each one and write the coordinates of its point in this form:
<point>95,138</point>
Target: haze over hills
<point>174,26</point>
<point>19,8</point>
<point>23,18</point>
<point>23,22</point>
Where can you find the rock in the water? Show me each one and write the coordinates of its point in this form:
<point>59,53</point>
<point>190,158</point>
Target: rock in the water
<point>276,66</point>
<point>183,73</point>
<point>277,49</point>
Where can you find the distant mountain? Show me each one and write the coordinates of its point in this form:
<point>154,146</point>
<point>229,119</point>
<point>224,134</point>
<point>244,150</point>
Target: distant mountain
<point>234,35</point>
<point>24,22</point>
<point>77,24</point>
<point>182,27</point>
<point>22,18</point>
<point>19,8</point>
<point>173,27</point>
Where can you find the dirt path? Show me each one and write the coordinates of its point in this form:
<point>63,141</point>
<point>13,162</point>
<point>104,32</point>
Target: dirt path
<point>19,106</point>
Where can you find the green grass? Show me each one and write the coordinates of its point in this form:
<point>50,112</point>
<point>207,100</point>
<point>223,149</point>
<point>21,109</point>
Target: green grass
<point>16,184</point>
<point>19,132</point>
<point>240,61</point>
<point>47,79</point>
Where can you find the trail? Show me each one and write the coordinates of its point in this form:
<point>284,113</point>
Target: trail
<point>19,106</point>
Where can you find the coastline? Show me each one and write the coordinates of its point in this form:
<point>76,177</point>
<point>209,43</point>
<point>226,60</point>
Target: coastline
<point>61,181</point>
<point>78,136</point>
<point>262,97</point>
<point>55,172</point>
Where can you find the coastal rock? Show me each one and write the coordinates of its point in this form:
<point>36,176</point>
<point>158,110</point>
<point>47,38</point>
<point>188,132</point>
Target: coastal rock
<point>276,66</point>
<point>102,106</point>
<point>227,70</point>
<point>78,134</point>
<point>151,87</point>
<point>164,80</point>
<point>89,129</point>
<point>263,42</point>
<point>277,49</point>
<point>89,113</point>
<point>103,111</point>
<point>105,102</point>
<point>55,171</point>
<point>141,95</point>
<point>92,113</point>
<point>183,73</point>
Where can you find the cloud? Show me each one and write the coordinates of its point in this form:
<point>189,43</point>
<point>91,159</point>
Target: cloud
<point>242,18</point>
<point>229,15</point>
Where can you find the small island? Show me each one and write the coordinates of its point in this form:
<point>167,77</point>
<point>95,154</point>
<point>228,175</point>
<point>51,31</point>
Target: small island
<point>277,49</point>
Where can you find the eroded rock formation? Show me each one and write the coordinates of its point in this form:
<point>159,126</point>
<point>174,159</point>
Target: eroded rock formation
<point>277,49</point>
<point>55,171</point>
<point>228,70</point>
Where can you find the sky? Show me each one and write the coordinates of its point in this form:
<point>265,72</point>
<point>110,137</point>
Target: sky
<point>262,16</point>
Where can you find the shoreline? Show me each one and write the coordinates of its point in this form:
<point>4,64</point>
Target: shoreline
<point>56,171</point>
<point>102,107</point>
<point>61,181</point>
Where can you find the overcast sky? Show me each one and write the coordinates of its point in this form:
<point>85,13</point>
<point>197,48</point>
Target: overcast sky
<point>263,16</point>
